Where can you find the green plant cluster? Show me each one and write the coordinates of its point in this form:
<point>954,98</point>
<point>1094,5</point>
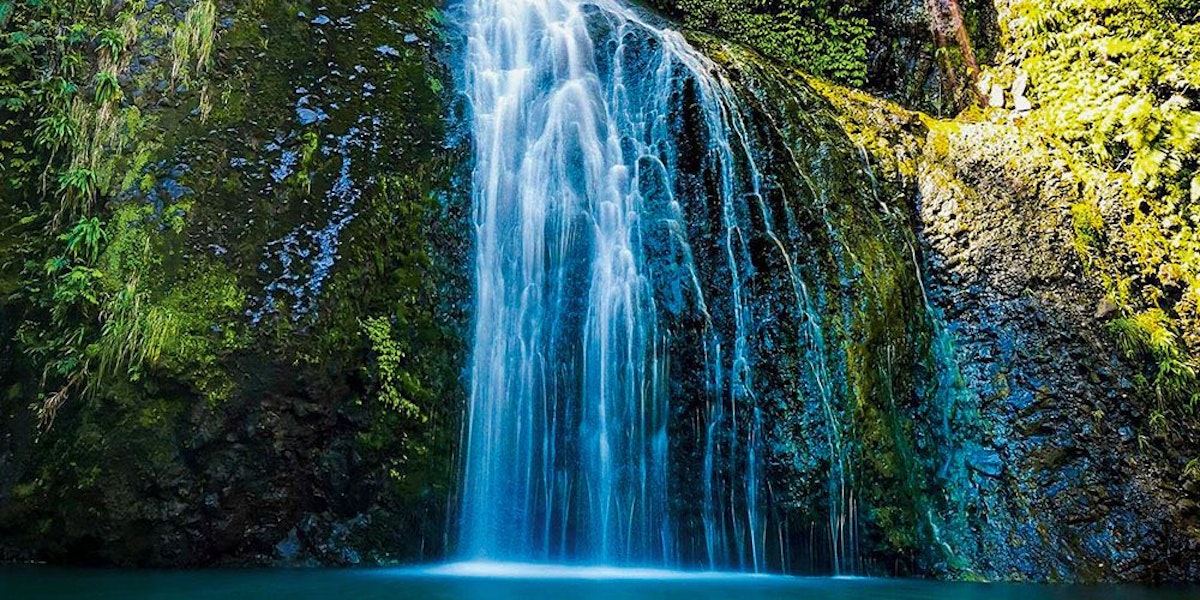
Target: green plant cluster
<point>1115,86</point>
<point>126,289</point>
<point>396,385</point>
<point>83,266</point>
<point>827,38</point>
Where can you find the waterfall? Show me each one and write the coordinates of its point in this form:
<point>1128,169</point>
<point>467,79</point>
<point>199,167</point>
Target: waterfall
<point>598,135</point>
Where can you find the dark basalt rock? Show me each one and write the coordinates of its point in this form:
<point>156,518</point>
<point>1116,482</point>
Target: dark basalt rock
<point>1013,452</point>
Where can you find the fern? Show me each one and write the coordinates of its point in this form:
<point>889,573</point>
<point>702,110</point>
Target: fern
<point>111,42</point>
<point>56,130</point>
<point>107,88</point>
<point>78,181</point>
<point>85,238</point>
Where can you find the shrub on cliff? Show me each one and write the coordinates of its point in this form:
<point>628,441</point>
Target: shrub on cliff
<point>1114,86</point>
<point>824,37</point>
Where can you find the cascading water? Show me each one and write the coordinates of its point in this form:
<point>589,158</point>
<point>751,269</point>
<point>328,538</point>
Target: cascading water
<point>567,454</point>
<point>600,139</point>
<point>567,439</point>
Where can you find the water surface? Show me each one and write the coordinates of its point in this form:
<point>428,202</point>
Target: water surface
<point>503,582</point>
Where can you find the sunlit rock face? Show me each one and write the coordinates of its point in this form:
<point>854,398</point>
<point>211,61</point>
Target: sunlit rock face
<point>1061,460</point>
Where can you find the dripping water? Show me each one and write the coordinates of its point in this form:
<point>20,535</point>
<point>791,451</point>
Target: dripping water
<point>589,119</point>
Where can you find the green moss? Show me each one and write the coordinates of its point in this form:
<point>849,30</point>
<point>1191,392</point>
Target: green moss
<point>1089,229</point>
<point>207,313</point>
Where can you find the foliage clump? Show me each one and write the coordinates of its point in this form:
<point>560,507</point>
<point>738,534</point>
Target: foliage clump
<point>397,386</point>
<point>823,37</point>
<point>75,148</point>
<point>1113,86</point>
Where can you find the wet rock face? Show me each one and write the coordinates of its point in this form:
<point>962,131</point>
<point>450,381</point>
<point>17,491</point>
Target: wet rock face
<point>315,185</point>
<point>1064,487</point>
<point>998,434</point>
<point>840,333</point>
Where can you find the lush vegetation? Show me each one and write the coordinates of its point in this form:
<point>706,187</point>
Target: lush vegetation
<point>1114,86</point>
<point>920,53</point>
<point>73,146</point>
<point>130,132</point>
<point>825,37</point>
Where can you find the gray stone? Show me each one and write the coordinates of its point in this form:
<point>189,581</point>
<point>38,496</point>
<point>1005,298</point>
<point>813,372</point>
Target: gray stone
<point>996,98</point>
<point>1020,85</point>
<point>1105,308</point>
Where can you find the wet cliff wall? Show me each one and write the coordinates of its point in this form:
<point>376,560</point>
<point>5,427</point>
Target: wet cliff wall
<point>239,303</point>
<point>1028,447</point>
